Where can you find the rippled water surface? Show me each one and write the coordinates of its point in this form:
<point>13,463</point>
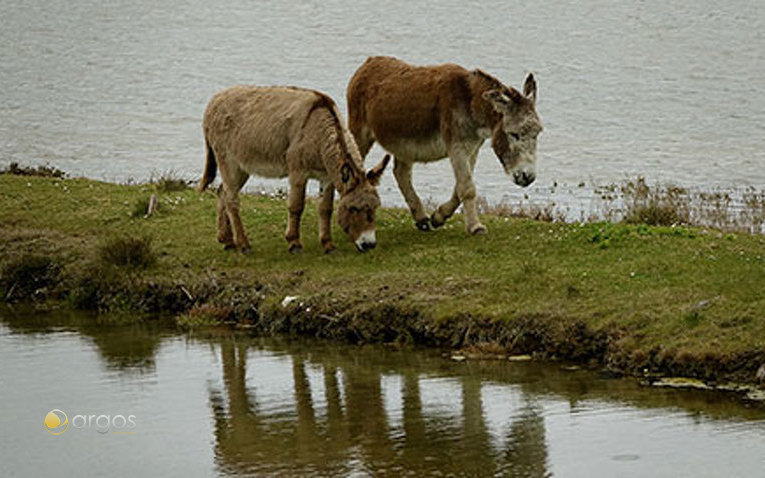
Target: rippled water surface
<point>228,405</point>
<point>669,90</point>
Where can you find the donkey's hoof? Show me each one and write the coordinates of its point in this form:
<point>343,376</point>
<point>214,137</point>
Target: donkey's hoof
<point>329,248</point>
<point>436,221</point>
<point>478,230</point>
<point>229,247</point>
<point>245,250</point>
<point>423,224</point>
<point>295,247</point>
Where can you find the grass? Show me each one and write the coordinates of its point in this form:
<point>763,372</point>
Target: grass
<point>140,207</point>
<point>656,290</point>
<point>168,182</point>
<point>130,252</point>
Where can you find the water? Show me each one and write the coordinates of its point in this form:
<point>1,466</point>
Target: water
<point>228,405</point>
<point>668,90</point>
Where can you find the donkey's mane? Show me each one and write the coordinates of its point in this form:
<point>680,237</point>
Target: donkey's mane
<point>325,102</point>
<point>495,83</point>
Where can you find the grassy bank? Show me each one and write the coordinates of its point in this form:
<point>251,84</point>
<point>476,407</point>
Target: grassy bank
<point>670,300</point>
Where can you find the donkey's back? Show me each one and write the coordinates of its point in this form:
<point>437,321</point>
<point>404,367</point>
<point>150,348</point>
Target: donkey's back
<point>254,125</point>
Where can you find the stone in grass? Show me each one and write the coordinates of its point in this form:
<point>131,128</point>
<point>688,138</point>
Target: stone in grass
<point>760,375</point>
<point>681,382</point>
<point>756,395</point>
<point>519,358</point>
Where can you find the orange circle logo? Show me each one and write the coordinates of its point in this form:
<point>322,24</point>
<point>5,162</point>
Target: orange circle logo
<point>56,422</point>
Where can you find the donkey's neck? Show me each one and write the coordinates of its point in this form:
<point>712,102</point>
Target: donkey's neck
<point>481,110</point>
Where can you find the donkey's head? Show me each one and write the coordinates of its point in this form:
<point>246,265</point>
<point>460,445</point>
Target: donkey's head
<point>357,206</point>
<point>514,137</point>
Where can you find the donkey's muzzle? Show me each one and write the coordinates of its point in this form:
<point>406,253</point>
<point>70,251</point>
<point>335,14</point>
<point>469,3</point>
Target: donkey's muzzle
<point>367,246</point>
<point>366,241</point>
<point>523,178</point>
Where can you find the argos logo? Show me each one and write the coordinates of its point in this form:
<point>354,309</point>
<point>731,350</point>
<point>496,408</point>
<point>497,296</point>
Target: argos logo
<point>57,422</point>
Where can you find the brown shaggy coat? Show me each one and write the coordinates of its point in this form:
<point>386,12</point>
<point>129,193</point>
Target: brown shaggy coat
<point>426,113</point>
<point>289,132</point>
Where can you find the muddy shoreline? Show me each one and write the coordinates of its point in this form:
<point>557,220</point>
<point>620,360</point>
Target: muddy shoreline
<point>265,310</point>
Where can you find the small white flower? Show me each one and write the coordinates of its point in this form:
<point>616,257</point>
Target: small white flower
<point>288,300</point>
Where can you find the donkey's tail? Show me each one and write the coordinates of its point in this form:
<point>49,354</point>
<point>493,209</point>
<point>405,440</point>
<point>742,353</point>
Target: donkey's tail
<point>211,166</point>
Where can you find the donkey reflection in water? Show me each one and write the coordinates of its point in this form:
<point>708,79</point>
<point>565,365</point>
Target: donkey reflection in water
<point>283,131</point>
<point>422,114</point>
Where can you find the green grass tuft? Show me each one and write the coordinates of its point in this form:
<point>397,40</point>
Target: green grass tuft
<point>140,206</point>
<point>168,182</point>
<point>129,252</point>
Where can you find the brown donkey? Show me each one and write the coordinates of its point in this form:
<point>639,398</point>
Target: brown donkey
<point>422,114</point>
<point>283,131</point>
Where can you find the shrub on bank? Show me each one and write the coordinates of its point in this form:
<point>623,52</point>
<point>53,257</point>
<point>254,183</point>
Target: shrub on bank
<point>130,252</point>
<point>28,277</point>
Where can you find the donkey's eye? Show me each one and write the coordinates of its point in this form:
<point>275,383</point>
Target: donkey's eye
<point>515,136</point>
<point>353,210</point>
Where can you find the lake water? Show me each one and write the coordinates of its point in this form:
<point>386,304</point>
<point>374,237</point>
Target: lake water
<point>669,90</point>
<point>146,400</point>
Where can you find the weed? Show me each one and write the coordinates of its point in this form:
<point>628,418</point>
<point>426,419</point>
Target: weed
<point>130,252</point>
<point>43,171</point>
<point>28,277</point>
<point>546,213</point>
<point>168,182</point>
<point>140,206</point>
<point>205,315</point>
<point>654,207</point>
<point>572,291</point>
<point>692,319</point>
<point>85,294</point>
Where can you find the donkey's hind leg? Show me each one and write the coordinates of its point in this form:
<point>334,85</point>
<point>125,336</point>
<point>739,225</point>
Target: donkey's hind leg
<point>225,236</point>
<point>233,180</point>
<point>325,215</point>
<point>295,205</point>
<point>402,170</point>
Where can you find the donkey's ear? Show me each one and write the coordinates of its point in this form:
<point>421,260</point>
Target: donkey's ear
<point>503,101</point>
<point>530,87</point>
<point>346,173</point>
<point>374,174</point>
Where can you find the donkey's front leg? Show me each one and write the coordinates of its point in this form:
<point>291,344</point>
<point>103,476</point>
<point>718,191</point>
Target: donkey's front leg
<point>465,188</point>
<point>402,170</point>
<point>295,205</point>
<point>446,210</point>
<point>325,216</point>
